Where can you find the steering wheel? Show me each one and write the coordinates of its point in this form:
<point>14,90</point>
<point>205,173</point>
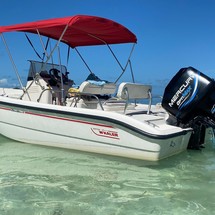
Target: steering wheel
<point>55,78</point>
<point>54,73</point>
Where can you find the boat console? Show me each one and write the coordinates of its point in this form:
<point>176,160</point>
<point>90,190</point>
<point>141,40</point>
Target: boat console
<point>189,98</point>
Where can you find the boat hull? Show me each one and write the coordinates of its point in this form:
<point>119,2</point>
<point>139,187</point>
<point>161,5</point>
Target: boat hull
<point>90,131</point>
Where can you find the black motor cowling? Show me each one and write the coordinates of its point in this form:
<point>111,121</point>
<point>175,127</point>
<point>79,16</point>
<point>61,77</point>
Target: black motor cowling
<point>190,99</point>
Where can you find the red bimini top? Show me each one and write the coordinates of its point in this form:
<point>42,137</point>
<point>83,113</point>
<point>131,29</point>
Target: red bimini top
<point>81,30</point>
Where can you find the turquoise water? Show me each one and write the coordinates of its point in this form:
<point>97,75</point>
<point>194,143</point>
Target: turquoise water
<point>41,180</point>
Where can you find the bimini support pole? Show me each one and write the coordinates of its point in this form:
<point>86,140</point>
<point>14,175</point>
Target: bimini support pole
<point>12,61</point>
<point>41,41</point>
<point>14,66</point>
<point>61,77</point>
<point>109,49</point>
<point>50,55</point>
<point>57,44</point>
<point>132,74</point>
<point>128,61</point>
<point>123,70</point>
<point>83,61</point>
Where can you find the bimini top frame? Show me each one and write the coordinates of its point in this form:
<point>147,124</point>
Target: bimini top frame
<point>79,30</point>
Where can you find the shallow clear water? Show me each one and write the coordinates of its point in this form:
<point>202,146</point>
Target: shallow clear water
<point>41,180</point>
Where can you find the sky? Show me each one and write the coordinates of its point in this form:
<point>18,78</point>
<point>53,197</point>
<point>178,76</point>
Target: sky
<point>171,34</point>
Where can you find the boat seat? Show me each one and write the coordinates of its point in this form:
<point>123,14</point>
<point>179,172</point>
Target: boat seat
<point>133,91</point>
<point>97,88</point>
<point>128,90</point>
<point>90,93</point>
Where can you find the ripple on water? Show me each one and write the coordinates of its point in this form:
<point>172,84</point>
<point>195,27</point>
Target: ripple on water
<point>41,180</point>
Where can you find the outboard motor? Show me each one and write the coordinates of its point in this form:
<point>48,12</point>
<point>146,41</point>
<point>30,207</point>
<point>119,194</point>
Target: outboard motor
<point>189,98</point>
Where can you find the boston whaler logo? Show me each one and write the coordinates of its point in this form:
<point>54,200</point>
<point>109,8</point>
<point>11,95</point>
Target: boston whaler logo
<point>105,133</point>
<point>183,92</point>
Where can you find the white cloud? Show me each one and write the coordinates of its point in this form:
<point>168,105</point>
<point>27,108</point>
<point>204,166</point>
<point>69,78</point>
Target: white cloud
<point>3,81</point>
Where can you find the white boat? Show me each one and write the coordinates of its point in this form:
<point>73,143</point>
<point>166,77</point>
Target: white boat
<point>98,116</point>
